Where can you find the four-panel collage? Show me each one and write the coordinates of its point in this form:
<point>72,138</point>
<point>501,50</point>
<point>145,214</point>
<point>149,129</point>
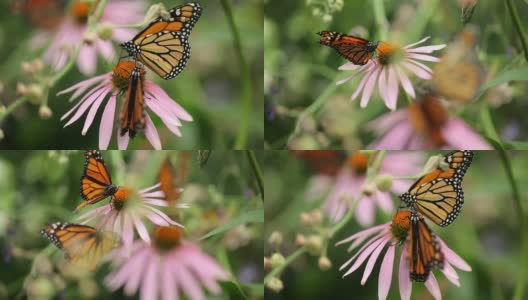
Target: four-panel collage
<point>263,149</point>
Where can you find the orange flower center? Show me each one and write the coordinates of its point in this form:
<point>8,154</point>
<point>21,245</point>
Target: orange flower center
<point>358,162</point>
<point>81,10</point>
<point>122,194</point>
<point>428,116</point>
<point>122,72</point>
<point>389,52</point>
<point>167,237</point>
<point>401,222</point>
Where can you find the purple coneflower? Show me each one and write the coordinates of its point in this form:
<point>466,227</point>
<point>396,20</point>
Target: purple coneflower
<point>124,214</point>
<point>424,125</point>
<point>389,69</point>
<point>107,88</point>
<point>350,180</point>
<point>71,33</point>
<point>166,269</point>
<point>382,235</point>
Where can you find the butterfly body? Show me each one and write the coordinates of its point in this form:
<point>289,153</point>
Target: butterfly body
<point>438,195</point>
<point>132,116</point>
<point>357,50</point>
<point>163,45</point>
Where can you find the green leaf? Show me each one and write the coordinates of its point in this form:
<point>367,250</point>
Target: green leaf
<point>254,216</point>
<point>508,75</point>
<point>233,289</point>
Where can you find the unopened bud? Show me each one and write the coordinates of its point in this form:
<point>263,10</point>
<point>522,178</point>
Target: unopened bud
<point>369,189</point>
<point>35,93</point>
<point>275,238</point>
<point>105,31</point>
<point>324,263</point>
<point>300,240</point>
<point>275,284</point>
<point>45,112</point>
<point>21,89</point>
<point>314,244</point>
<point>276,260</point>
<point>317,216</point>
<point>1,134</point>
<point>384,182</point>
<point>306,219</point>
<point>89,37</point>
<point>267,264</point>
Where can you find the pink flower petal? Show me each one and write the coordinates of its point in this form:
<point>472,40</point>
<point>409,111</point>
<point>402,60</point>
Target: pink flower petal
<point>133,277</point>
<point>349,66</point>
<point>107,123</point>
<point>392,90</point>
<point>106,50</point>
<point>142,231</point>
<point>365,212</point>
<point>404,279</point>
<point>364,255</point>
<point>364,233</point>
<point>376,238</point>
<point>98,88</point>
<point>369,87</point>
<point>426,49</point>
<point>417,71</point>
<point>406,83</point>
<point>384,201</point>
<point>89,102</point>
<point>169,288</point>
<point>188,284</point>
<point>91,114</point>
<point>423,57</point>
<point>83,85</point>
<point>158,93</point>
<point>122,140</point>
<point>372,261</point>
<point>362,84</point>
<point>385,274</point>
<point>465,137</point>
<point>432,285</point>
<point>396,138</point>
<point>87,59</point>
<point>382,83</point>
<point>453,258</point>
<point>149,287</point>
<point>419,42</point>
<point>151,133</point>
<point>450,274</point>
<point>386,121</point>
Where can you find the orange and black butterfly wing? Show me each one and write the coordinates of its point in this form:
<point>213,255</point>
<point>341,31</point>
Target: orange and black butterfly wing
<point>83,245</point>
<point>357,50</point>
<point>166,178</point>
<point>132,116</point>
<point>423,250</point>
<point>96,183</point>
<point>163,45</point>
<point>438,195</point>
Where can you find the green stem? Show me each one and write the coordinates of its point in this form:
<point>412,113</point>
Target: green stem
<point>9,109</point>
<point>312,109</point>
<point>256,170</point>
<point>521,279</point>
<point>242,134</point>
<point>519,26</point>
<point>489,128</point>
<point>381,19</point>
<point>276,272</point>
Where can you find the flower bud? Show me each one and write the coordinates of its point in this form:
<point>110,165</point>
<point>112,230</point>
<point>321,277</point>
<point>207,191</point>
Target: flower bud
<point>1,134</point>
<point>384,182</point>
<point>369,189</point>
<point>89,37</point>
<point>105,31</point>
<point>314,244</point>
<point>316,216</point>
<point>45,112</point>
<point>306,219</point>
<point>300,240</point>
<point>276,260</point>
<point>324,263</point>
<point>275,238</point>
<point>267,264</point>
<point>35,93</point>
<point>275,284</point>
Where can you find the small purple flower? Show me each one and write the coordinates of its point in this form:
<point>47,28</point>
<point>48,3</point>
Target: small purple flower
<point>389,69</point>
<point>424,125</point>
<point>71,33</point>
<point>350,180</point>
<point>374,241</point>
<point>107,87</point>
<point>167,269</point>
<point>124,216</point>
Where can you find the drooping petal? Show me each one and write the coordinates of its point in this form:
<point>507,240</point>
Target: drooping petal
<point>419,42</point>
<point>385,274</point>
<point>406,83</point>
<point>459,135</point>
<point>404,280</point>
<point>432,285</point>
<point>372,261</point>
<point>107,123</point>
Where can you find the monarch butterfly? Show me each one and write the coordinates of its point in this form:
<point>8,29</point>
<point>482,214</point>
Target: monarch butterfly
<point>83,245</point>
<point>96,183</point>
<point>132,116</point>
<point>163,46</point>
<point>166,178</point>
<point>423,249</point>
<point>357,50</point>
<point>438,195</point>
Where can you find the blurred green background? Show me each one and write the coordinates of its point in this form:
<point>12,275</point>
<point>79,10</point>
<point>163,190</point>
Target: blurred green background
<point>41,187</point>
<point>298,71</point>
<point>486,234</point>
<point>209,88</point>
